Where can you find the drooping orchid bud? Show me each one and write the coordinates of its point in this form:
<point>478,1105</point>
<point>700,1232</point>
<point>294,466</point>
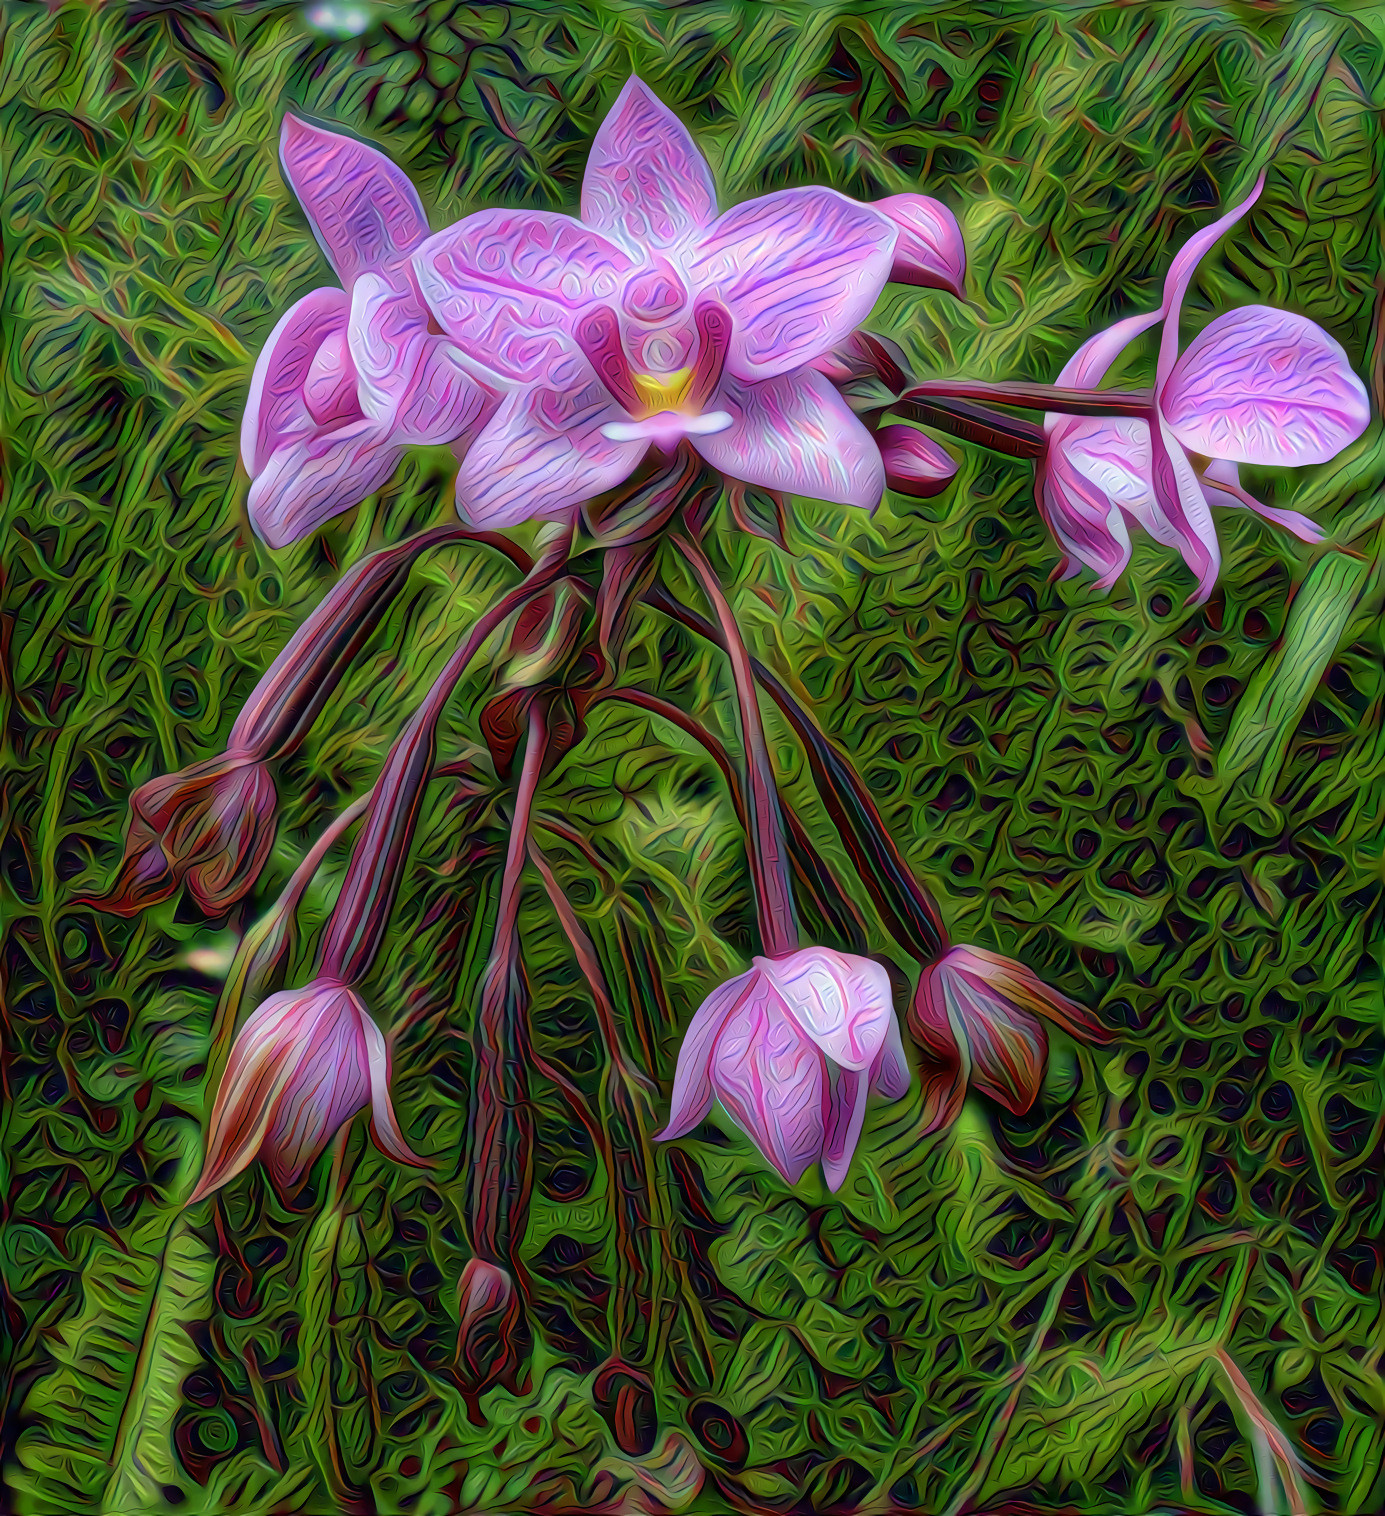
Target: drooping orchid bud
<point>914,464</point>
<point>1257,385</point>
<point>213,822</point>
<point>304,1064</point>
<point>485,1302</point>
<point>929,250</point>
<point>791,1048</point>
<point>976,1017</point>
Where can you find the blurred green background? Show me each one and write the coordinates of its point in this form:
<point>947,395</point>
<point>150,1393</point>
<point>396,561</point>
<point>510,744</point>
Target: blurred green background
<point>1130,1300</point>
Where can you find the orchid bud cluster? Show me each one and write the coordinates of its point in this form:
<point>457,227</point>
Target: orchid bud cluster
<point>618,375</point>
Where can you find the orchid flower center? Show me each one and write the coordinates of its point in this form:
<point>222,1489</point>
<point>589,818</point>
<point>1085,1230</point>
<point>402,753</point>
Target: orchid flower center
<point>664,408</point>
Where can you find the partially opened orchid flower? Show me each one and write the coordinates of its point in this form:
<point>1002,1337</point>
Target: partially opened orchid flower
<point>305,1063</point>
<point>976,1018</point>
<point>653,320</point>
<point>791,1048</point>
<point>351,376</point>
<point>1257,385</point>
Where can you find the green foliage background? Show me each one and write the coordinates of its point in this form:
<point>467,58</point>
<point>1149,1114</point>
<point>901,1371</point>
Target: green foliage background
<point>1173,815</point>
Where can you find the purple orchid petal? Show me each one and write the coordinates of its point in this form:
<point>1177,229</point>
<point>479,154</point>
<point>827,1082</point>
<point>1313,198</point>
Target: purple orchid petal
<point>915,465</point>
<point>542,453</point>
<point>772,1081</point>
<point>1265,386</point>
<point>1184,506</point>
<point>646,182</point>
<point>1085,522</point>
<point>1221,483</point>
<point>330,391</point>
<point>1087,366</point>
<point>411,380</point>
<point>692,1084</point>
<point>798,270</point>
<point>796,434</point>
<point>509,285</point>
<point>844,1122</point>
<point>1180,275</point>
<point>330,1083</point>
<point>929,250</point>
<point>384,1125</point>
<point>363,210</point>
<point>275,411</point>
<point>890,1074</point>
<point>842,1002</point>
<point>311,480</point>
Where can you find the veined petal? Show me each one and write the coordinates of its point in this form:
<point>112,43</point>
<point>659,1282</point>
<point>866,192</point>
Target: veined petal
<point>384,1126</point>
<point>541,453</point>
<point>275,409</point>
<point>363,210</point>
<point>1259,385</point>
<point>796,434</point>
<point>890,1074</point>
<point>508,285</point>
<point>798,270</point>
<point>841,1001</point>
<point>646,182</point>
<point>1008,1046</point>
<point>929,250</point>
<point>772,1081</point>
<point>330,1083</point>
<point>1181,500</point>
<point>845,1118</point>
<point>309,481</point>
<point>1221,483</point>
<point>692,1084</point>
<point>1083,519</point>
<point>1180,275</point>
<point>1022,985</point>
<point>1087,366</point>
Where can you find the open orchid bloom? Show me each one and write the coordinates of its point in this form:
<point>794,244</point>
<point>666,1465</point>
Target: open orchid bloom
<point>1257,385</point>
<point>349,376</point>
<point>305,1063</point>
<point>653,320</point>
<point>791,1048</point>
<point>976,1017</point>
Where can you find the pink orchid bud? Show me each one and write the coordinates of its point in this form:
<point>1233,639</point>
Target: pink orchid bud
<point>791,1049</point>
<point>929,250</point>
<point>304,1064</point>
<point>485,1294</point>
<point>211,824</point>
<point>914,464</point>
<point>976,1018</point>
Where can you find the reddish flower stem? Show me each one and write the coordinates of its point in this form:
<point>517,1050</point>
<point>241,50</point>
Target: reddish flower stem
<point>764,823</point>
<point>1038,397</point>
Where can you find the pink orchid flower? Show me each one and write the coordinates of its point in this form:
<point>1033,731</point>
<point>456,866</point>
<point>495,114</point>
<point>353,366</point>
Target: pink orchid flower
<point>1257,385</point>
<point>304,1064</point>
<point>654,320</point>
<point>351,376</point>
<point>975,1016</point>
<point>791,1049</point>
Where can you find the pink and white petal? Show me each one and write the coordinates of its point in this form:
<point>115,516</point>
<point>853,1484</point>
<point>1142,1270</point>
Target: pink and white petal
<point>309,481</point>
<point>773,1083</point>
<point>1084,521</point>
<point>692,1084</point>
<point>330,1083</point>
<point>329,391</point>
<point>1087,366</point>
<point>841,1001</point>
<point>845,1118</point>
<point>275,409</point>
<point>890,1074</point>
<point>1260,385</point>
<point>541,454</point>
<point>384,1125</point>
<point>929,250</point>
<point>646,182</point>
<point>443,402</point>
<point>363,210</point>
<point>915,465</point>
<point>1180,500</point>
<point>798,270</point>
<point>796,434</point>
<point>1221,483</point>
<point>1180,275</point>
